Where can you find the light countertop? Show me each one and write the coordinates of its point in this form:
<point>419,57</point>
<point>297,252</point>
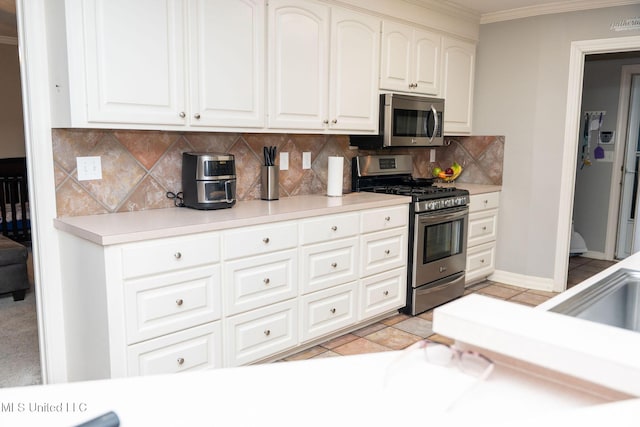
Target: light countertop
<point>474,188</point>
<point>125,227</point>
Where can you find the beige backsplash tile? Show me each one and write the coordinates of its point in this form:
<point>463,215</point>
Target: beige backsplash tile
<point>139,167</point>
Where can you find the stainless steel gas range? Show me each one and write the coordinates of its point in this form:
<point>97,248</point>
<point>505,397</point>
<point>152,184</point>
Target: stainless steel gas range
<point>437,228</point>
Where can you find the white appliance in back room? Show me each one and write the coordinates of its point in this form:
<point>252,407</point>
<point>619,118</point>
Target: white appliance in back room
<point>577,246</point>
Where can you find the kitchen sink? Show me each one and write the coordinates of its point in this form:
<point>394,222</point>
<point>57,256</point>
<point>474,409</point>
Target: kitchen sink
<point>614,301</point>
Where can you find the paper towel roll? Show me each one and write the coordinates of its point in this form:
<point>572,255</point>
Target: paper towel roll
<point>334,176</point>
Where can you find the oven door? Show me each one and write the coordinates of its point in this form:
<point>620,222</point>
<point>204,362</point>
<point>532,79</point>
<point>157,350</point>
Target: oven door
<point>440,244</point>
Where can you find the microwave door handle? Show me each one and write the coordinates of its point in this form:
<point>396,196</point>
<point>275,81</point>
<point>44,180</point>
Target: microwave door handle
<point>228,193</point>
<point>435,123</point>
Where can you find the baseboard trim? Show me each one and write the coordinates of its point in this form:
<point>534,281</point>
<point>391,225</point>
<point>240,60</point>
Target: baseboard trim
<point>523,281</point>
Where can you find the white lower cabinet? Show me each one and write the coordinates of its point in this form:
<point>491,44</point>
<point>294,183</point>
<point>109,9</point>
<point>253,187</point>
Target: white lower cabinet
<point>193,349</point>
<point>482,235</point>
<point>328,310</point>
<point>260,333</point>
<point>231,297</point>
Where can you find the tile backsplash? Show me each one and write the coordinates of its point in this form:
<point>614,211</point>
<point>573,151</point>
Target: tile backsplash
<point>139,167</point>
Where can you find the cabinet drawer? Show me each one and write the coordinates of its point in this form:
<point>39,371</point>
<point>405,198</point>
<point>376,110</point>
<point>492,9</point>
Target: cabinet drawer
<point>482,227</point>
<point>194,349</point>
<point>329,264</point>
<point>383,293</point>
<point>167,303</point>
<point>328,228</point>
<point>159,256</point>
<point>381,219</point>
<point>479,202</point>
<point>259,240</point>
<point>480,262</point>
<point>383,251</point>
<point>258,281</point>
<point>328,310</point>
<point>260,333</point>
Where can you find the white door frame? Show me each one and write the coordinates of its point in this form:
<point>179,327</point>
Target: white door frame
<point>570,149</point>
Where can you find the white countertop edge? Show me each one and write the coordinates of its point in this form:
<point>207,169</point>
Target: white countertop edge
<point>126,227</point>
<point>592,352</point>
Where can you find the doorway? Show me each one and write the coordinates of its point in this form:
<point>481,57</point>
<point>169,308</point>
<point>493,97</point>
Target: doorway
<point>628,236</point>
<point>579,50</point>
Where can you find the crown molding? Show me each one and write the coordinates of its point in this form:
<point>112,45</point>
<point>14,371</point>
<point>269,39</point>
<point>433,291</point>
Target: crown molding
<point>551,8</point>
<point>8,40</point>
<point>448,8</point>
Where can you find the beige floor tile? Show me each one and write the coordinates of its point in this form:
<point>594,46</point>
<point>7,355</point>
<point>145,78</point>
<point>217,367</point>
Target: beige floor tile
<point>441,339</point>
<point>416,326</point>
<point>327,353</point>
<point>369,329</point>
<point>359,346</point>
<point>393,338</point>
<point>341,340</point>
<point>543,293</point>
<point>500,291</point>
<point>307,354</point>
<point>427,315</point>
<point>395,319</point>
<point>529,299</point>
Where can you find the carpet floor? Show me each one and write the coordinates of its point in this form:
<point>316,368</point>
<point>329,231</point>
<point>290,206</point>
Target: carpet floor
<point>19,349</point>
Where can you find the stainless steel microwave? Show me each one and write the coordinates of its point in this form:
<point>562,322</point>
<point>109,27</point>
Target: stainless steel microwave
<point>406,121</point>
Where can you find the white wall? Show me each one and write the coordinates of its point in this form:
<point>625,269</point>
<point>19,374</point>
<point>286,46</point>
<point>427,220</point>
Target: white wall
<point>521,92</point>
<point>11,124</point>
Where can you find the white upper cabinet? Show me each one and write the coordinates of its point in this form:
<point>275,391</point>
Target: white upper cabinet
<point>166,62</point>
<point>458,66</point>
<point>410,59</point>
<point>322,67</point>
<point>226,51</point>
<point>133,60</point>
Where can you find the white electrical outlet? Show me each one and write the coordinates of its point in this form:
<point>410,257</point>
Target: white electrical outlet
<point>432,155</point>
<point>306,160</point>
<point>284,161</point>
<point>89,168</point>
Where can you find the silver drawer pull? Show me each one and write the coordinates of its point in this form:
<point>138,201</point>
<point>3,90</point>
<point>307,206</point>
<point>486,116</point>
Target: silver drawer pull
<point>385,293</point>
<point>484,228</point>
<point>334,264</point>
<point>265,240</point>
<point>182,115</point>
<point>482,261</point>
<point>387,218</point>
<point>179,301</point>
<point>266,281</point>
<point>387,252</point>
<point>334,228</point>
<point>333,311</point>
<point>267,332</point>
<point>180,360</point>
<point>177,255</point>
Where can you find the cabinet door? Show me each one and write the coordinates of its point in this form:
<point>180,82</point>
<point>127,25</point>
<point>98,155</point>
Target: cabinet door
<point>227,62</point>
<point>458,71</point>
<point>355,55</point>
<point>134,61</point>
<point>426,62</point>
<point>298,64</point>
<point>395,64</point>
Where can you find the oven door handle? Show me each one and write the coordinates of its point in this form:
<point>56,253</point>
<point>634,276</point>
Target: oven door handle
<point>445,282</point>
<point>442,216</point>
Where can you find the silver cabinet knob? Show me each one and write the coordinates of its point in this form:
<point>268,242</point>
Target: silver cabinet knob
<point>197,116</point>
<point>266,281</point>
<point>482,261</point>
<point>267,332</point>
<point>179,302</point>
<point>387,218</point>
<point>333,311</point>
<point>385,293</point>
<point>334,264</point>
<point>326,122</point>
<point>265,240</point>
<point>182,114</point>
<point>387,252</point>
<point>484,228</point>
<point>334,228</point>
<point>180,360</point>
<point>334,121</point>
<point>177,255</point>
